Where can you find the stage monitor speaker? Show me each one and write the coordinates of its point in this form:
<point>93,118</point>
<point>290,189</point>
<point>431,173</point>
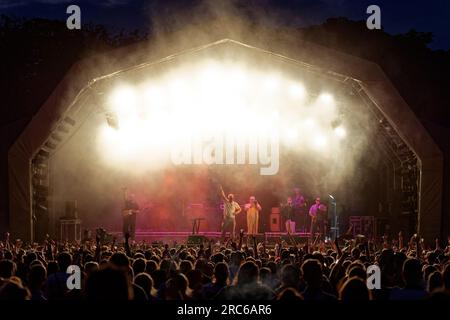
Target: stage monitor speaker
<point>195,240</point>
<point>297,239</point>
<point>275,222</point>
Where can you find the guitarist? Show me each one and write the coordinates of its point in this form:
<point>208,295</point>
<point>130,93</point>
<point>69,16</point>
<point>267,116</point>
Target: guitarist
<point>314,213</point>
<point>131,208</point>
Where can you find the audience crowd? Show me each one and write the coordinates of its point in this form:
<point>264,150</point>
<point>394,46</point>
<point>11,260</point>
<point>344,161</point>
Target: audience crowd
<point>336,270</point>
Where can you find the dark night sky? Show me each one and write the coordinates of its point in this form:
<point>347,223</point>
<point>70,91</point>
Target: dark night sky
<point>398,16</point>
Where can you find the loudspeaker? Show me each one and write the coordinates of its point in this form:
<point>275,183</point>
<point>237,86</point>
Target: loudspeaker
<point>275,222</point>
<point>195,240</point>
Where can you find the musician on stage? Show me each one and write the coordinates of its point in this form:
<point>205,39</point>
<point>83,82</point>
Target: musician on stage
<point>300,215</point>
<point>287,211</point>
<point>129,212</point>
<point>317,214</point>
<point>252,208</point>
<point>230,209</point>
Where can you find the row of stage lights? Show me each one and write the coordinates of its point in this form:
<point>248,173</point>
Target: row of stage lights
<point>216,98</point>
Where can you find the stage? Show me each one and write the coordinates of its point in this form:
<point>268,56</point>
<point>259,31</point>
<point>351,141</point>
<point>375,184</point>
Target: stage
<point>182,236</point>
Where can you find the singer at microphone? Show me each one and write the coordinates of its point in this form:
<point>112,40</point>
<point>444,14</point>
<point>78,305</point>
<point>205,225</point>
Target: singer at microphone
<point>252,208</point>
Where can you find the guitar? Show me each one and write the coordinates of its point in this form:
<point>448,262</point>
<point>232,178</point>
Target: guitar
<point>321,210</point>
<point>129,212</point>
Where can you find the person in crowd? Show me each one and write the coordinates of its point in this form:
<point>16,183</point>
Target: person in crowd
<point>312,274</point>
<point>247,285</point>
<point>414,288</point>
<point>355,289</point>
<point>36,281</point>
<point>221,280</point>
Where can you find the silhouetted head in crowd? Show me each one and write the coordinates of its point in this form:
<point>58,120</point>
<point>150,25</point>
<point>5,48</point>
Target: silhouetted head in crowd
<point>7,268</point>
<point>427,270</point>
<point>150,266</point>
<point>265,275</point>
<point>357,270</point>
<point>108,284</point>
<point>177,288</point>
<point>354,289</point>
<point>139,265</point>
<point>30,257</point>
<point>440,295</point>
<point>248,274</point>
<point>435,281</point>
<point>236,258</point>
<point>170,267</point>
<point>144,281</point>
<point>289,294</point>
<point>119,260</point>
<point>52,267</point>
<point>195,279</point>
<point>412,272</point>
<point>446,276</point>
<point>159,278</point>
<point>90,267</point>
<point>64,261</point>
<point>37,277</point>
<point>221,273</point>
<point>290,276</point>
<point>185,266</point>
<point>312,273</point>
<point>13,290</point>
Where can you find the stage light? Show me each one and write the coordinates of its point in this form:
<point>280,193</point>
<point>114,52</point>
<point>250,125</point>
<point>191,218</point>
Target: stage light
<point>153,96</point>
<point>271,83</point>
<point>201,100</point>
<point>320,142</point>
<point>123,100</point>
<point>326,98</point>
<point>340,132</point>
<point>291,134</point>
<point>297,91</point>
<point>309,123</point>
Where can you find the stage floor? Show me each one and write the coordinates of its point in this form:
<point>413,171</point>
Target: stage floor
<point>181,236</point>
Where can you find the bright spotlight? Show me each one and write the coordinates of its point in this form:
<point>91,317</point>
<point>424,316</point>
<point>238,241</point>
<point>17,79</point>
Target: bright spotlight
<point>319,142</point>
<point>297,91</point>
<point>309,123</point>
<point>291,134</point>
<point>123,96</point>
<point>340,132</point>
<point>326,98</point>
<point>272,83</point>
